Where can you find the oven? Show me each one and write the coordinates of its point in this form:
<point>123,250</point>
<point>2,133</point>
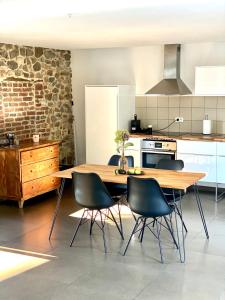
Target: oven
<point>154,150</point>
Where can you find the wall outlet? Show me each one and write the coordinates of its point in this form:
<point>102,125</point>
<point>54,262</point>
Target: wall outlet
<point>179,119</point>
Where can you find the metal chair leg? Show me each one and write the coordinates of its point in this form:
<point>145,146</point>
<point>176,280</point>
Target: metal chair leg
<point>133,231</point>
<point>103,231</point>
<point>78,226</point>
<point>121,224</point>
<point>92,221</point>
<point>143,229</point>
<point>114,220</point>
<point>158,229</point>
<point>171,232</point>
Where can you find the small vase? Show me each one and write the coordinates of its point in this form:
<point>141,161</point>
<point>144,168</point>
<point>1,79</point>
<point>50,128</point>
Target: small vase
<point>123,163</point>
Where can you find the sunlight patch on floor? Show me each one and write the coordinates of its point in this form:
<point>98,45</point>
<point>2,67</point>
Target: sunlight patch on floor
<point>124,210</point>
<point>15,261</point>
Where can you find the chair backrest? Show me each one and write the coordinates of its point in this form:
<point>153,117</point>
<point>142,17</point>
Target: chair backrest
<point>114,160</point>
<point>146,198</point>
<point>90,191</point>
<point>168,164</point>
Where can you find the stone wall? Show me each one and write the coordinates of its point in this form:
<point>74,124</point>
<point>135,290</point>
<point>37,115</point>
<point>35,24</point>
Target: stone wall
<point>36,95</point>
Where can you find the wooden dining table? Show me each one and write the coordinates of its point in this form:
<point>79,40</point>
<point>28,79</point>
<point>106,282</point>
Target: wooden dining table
<point>176,180</point>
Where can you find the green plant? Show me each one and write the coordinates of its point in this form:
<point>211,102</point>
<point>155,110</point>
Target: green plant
<point>121,136</point>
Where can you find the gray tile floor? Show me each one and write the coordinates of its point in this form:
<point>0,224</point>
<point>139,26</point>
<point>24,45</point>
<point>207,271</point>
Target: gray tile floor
<point>85,272</point>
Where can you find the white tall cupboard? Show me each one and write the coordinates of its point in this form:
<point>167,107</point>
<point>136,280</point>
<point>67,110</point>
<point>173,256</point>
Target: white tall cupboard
<point>107,108</point>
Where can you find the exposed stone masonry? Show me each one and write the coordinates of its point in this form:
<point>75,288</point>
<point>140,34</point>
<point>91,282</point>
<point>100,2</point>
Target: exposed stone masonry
<point>36,95</point>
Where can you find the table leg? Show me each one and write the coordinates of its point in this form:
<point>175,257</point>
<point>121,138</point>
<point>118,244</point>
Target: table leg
<point>183,225</point>
<point>60,193</point>
<point>198,200</point>
<point>182,258</point>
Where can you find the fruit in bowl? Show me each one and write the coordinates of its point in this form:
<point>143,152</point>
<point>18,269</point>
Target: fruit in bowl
<point>135,171</point>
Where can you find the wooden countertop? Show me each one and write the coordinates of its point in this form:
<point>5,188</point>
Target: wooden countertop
<point>184,136</point>
<point>166,178</point>
<point>29,145</point>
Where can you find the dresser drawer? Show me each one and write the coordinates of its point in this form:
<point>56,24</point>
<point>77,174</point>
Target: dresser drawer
<point>39,186</point>
<point>39,169</point>
<point>39,154</point>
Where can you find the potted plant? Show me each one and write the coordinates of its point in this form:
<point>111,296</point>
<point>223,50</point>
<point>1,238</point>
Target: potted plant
<point>121,138</point>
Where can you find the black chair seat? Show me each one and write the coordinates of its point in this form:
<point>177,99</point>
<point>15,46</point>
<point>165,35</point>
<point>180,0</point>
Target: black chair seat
<point>116,189</point>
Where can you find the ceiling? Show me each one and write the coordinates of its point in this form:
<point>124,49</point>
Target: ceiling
<point>77,24</point>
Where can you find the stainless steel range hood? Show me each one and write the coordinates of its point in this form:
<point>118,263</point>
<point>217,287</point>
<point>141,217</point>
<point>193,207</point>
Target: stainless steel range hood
<point>172,83</point>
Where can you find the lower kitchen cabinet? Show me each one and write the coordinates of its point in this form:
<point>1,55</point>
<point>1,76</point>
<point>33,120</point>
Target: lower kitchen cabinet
<point>221,169</point>
<point>201,163</point>
<point>199,156</point>
<point>26,170</point>
<point>208,157</point>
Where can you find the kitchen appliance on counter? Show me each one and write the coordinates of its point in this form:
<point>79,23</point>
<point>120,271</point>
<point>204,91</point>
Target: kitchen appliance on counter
<point>156,148</point>
<point>10,137</point>
<point>135,125</point>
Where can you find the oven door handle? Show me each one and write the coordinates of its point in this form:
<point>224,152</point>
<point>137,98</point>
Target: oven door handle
<point>158,152</point>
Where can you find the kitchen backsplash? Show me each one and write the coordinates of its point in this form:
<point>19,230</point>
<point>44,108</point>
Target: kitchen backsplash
<point>160,112</point>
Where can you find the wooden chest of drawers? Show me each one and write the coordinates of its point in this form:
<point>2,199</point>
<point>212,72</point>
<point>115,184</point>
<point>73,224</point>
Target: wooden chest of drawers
<point>25,170</point>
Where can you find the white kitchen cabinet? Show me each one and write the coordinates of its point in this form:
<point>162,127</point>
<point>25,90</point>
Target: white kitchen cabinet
<point>221,162</point>
<point>221,148</point>
<point>221,169</point>
<point>199,156</point>
<point>107,109</point>
<point>200,163</point>
<point>196,147</point>
<point>210,80</point>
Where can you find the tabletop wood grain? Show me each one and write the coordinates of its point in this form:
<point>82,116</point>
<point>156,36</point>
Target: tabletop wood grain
<point>166,178</point>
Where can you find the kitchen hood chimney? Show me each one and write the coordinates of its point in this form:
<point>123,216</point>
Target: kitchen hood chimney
<point>171,84</point>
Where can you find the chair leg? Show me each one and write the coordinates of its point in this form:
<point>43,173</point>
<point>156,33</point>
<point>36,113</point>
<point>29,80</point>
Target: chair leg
<point>143,229</point>
<point>91,222</point>
<point>103,231</point>
<point>114,220</point>
<point>171,232</point>
<point>133,231</point>
<point>121,224</point>
<point>78,226</point>
<point>158,228</point>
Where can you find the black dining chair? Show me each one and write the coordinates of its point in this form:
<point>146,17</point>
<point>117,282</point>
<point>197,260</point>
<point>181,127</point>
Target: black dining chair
<point>91,194</point>
<point>172,196</point>
<point>146,199</point>
<point>117,190</point>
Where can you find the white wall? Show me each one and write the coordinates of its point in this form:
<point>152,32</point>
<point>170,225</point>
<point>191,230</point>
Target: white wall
<point>142,66</point>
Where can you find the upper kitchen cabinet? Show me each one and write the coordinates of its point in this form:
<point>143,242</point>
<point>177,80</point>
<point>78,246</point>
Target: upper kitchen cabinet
<point>107,109</point>
<point>210,80</point>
